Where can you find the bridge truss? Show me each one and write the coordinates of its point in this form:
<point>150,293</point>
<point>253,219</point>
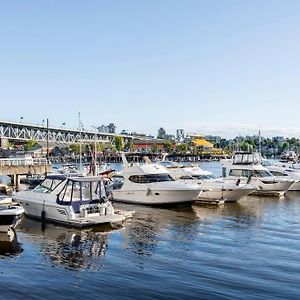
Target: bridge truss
<point>26,132</point>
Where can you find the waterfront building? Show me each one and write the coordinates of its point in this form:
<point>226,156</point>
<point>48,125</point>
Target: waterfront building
<point>148,144</point>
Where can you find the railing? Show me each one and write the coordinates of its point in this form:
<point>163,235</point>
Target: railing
<point>16,162</point>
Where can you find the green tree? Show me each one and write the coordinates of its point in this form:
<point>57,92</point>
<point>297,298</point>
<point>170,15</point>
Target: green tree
<point>119,143</point>
<point>154,148</point>
<point>182,148</point>
<point>75,148</point>
<point>29,145</point>
<point>129,145</point>
<point>167,146</point>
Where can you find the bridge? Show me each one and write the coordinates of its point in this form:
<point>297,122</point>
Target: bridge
<point>26,132</point>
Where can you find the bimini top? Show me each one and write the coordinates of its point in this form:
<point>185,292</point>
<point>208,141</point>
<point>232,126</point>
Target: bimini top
<point>247,158</point>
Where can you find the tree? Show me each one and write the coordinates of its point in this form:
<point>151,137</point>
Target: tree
<point>75,148</point>
<point>29,145</point>
<point>129,145</point>
<point>154,148</point>
<point>119,143</point>
<point>182,148</point>
<point>167,146</point>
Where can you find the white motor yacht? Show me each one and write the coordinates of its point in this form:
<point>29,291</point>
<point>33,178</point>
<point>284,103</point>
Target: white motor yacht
<point>73,201</point>
<point>247,167</point>
<point>152,184</point>
<point>216,189</point>
<point>280,171</point>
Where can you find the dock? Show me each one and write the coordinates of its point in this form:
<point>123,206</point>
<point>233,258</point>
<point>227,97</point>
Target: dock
<point>16,167</point>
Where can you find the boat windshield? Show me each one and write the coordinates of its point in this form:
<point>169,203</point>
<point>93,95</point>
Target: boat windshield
<point>170,164</point>
<point>247,158</point>
<point>150,178</point>
<point>278,173</point>
<point>48,185</point>
<point>248,173</point>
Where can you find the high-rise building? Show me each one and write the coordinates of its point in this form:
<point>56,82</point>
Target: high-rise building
<point>161,133</point>
<point>180,135</point>
<point>110,128</point>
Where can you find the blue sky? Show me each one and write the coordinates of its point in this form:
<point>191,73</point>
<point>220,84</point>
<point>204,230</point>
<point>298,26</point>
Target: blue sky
<point>224,67</point>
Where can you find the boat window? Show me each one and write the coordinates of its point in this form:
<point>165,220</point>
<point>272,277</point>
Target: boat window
<point>278,173</point>
<point>48,185</point>
<point>76,191</point>
<point>246,173</point>
<point>234,172</point>
<point>187,177</point>
<point>261,173</point>
<point>203,176</point>
<point>67,192</point>
<point>150,178</point>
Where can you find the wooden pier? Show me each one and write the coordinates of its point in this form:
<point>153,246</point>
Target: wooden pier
<point>14,167</point>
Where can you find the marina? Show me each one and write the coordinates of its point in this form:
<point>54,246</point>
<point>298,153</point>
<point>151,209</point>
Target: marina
<point>149,150</point>
<point>220,251</point>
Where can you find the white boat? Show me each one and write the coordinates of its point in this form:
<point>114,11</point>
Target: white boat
<point>152,184</point>
<point>9,216</point>
<point>247,167</point>
<point>293,174</point>
<point>73,201</point>
<point>215,190</point>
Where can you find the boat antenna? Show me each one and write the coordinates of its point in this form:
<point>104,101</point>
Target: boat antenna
<point>80,146</point>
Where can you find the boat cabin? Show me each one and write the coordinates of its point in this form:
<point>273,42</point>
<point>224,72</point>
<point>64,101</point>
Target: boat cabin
<point>74,191</point>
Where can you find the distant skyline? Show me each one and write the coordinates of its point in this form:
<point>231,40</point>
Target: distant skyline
<point>213,67</point>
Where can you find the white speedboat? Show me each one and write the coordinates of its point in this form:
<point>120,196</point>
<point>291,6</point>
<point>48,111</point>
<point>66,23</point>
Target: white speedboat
<point>9,216</point>
<point>73,201</point>
<point>247,167</point>
<point>152,184</point>
<point>215,190</point>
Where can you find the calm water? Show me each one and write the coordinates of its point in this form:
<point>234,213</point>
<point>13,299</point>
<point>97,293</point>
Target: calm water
<point>247,250</point>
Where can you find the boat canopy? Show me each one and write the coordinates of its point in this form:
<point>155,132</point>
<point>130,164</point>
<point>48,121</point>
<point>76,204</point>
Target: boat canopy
<point>247,158</point>
<point>82,190</point>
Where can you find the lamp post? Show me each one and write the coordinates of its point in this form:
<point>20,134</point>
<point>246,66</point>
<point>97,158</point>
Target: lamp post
<point>21,119</point>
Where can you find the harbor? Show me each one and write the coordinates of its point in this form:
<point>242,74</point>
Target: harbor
<point>149,150</point>
<point>225,251</point>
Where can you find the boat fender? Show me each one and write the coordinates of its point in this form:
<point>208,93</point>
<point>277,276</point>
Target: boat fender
<point>249,179</point>
<point>148,192</point>
<point>238,182</point>
<point>43,215</point>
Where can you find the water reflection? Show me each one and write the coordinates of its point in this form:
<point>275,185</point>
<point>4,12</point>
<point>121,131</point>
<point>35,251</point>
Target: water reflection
<point>9,245</point>
<point>145,230</point>
<point>246,212</point>
<point>67,247</point>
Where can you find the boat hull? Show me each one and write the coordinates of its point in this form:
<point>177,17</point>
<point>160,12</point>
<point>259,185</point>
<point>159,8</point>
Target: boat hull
<point>155,197</point>
<point>42,209</point>
<point>225,195</point>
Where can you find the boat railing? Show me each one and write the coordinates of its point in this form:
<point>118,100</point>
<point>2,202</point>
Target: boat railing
<point>20,161</point>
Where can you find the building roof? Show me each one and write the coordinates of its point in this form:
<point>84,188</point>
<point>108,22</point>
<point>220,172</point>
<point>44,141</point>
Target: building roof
<point>203,143</point>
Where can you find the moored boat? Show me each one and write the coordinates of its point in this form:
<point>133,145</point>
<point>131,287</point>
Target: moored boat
<point>72,201</point>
